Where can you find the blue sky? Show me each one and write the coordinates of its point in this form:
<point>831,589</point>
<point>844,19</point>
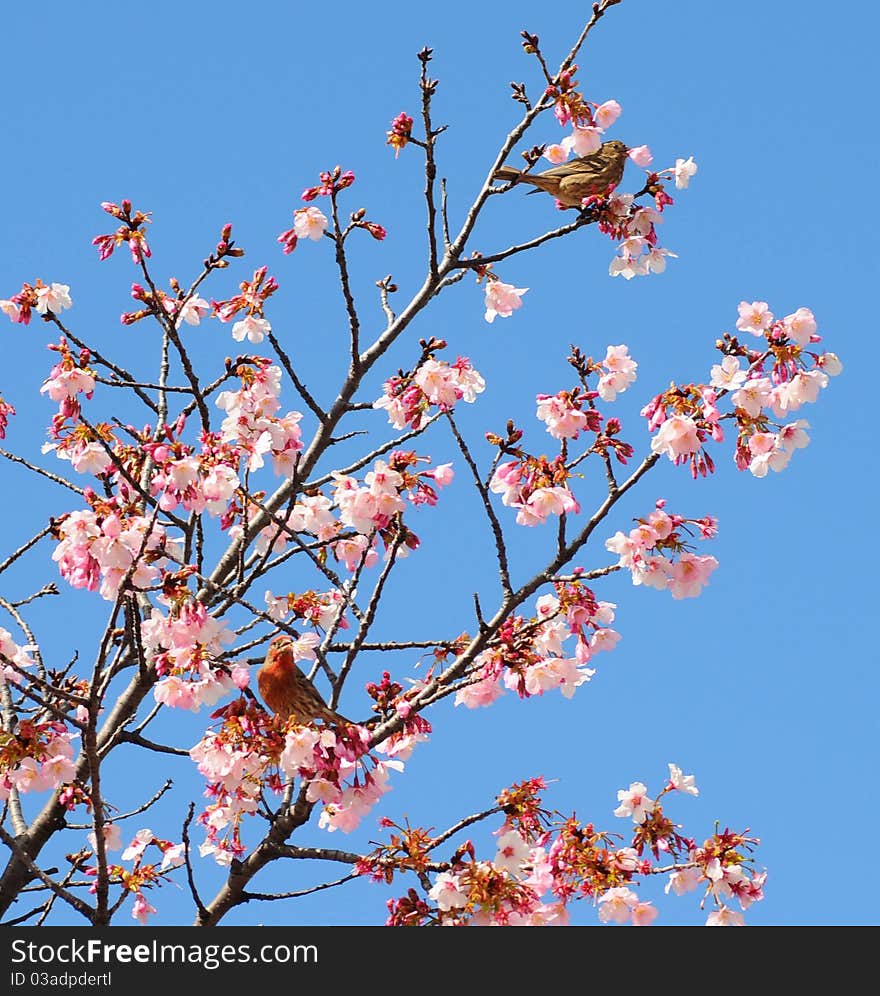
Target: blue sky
<point>766,686</point>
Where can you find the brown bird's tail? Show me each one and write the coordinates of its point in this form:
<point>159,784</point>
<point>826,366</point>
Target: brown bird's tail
<point>506,173</point>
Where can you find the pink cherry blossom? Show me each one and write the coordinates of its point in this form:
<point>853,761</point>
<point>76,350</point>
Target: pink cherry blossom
<point>628,267</point>
<point>555,153</point>
<point>351,552</point>
<point>678,437</point>
<point>552,673</point>
<point>641,155</point>
<point>644,914</point>
<point>616,905</point>
<point>681,782</point>
<point>447,892</point>
<point>546,501</point>
<point>755,317</point>
<point>54,298</point>
<point>793,437</point>
<point>690,574</point>
<point>724,917</point>
<point>484,691</point>
<point>620,372</point>
<point>802,389</point>
<point>634,802</point>
<point>68,383</point>
<point>830,364</point>
<point>583,141</point>
<point>309,223</point>
<point>513,851</point>
<point>564,420</point>
<point>502,299</point>
<point>112,837</point>
<point>655,259</point>
<point>12,310</point>
<point>141,909</point>
<point>142,839</point>
<point>172,857</point>
<point>686,880</point>
<point>252,327</point>
<point>683,171</point>
<point>800,327</point>
<point>727,376</point>
<point>607,113</point>
<point>753,395</point>
<point>194,310</point>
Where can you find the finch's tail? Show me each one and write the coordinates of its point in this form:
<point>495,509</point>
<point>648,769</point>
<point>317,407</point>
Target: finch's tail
<point>506,173</point>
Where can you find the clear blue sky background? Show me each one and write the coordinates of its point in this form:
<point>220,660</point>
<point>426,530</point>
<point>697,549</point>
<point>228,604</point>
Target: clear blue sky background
<point>765,687</point>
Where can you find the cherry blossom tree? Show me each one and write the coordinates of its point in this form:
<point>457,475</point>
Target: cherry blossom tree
<point>190,521</point>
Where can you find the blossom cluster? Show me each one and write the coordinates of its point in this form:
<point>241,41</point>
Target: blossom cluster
<point>251,423</point>
<point>408,397</point>
<point>251,752</point>
<point>6,409</point>
<point>200,482</point>
<point>685,417</point>
<point>401,132</point>
<point>323,610</point>
<point>568,413</point>
<point>656,552</point>
<point>359,512</point>
<point>36,756</point>
<point>587,131</point>
<point>528,655</point>
<point>542,864</point>
<point>308,223</point>
<point>69,377</point>
<point>536,487</point>
<point>100,546</point>
<point>131,231</point>
<point>184,646</point>
<point>45,299</point>
<point>251,300</point>
<point>142,875</point>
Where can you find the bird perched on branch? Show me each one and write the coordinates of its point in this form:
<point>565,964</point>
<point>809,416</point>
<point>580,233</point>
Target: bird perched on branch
<point>571,182</point>
<point>287,691</point>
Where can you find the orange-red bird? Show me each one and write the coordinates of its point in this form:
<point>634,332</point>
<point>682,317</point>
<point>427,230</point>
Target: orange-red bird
<point>287,691</point>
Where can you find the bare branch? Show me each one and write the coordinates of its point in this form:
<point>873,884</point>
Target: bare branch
<point>268,896</point>
<point>43,473</point>
<point>23,549</point>
<point>497,532</point>
<point>316,409</point>
<point>190,877</point>
<point>427,87</point>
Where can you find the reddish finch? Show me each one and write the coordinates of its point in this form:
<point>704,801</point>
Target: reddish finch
<point>571,182</point>
<point>287,691</point>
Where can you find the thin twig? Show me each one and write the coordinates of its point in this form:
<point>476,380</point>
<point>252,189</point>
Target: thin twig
<point>190,877</point>
<point>43,473</point>
<point>23,549</point>
<point>304,393</point>
<point>497,532</point>
<point>270,896</point>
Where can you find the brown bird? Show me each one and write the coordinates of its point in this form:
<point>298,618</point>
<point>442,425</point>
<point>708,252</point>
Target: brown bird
<point>287,691</point>
<point>571,182</point>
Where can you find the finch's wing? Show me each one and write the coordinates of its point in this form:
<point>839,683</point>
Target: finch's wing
<point>592,163</point>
